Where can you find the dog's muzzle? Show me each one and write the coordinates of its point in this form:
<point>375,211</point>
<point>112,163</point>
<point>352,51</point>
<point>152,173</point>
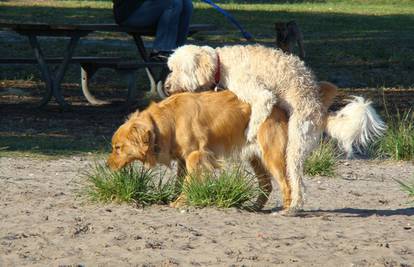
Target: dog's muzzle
<point>167,84</point>
<point>169,89</point>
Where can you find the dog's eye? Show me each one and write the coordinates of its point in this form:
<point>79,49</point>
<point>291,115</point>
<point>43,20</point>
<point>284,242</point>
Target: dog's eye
<point>117,147</point>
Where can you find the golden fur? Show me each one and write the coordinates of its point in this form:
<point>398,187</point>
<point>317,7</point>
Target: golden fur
<point>195,129</point>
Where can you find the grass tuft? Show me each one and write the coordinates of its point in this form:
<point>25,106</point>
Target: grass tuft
<point>407,187</point>
<point>398,141</point>
<point>131,185</point>
<point>228,188</point>
<point>322,160</point>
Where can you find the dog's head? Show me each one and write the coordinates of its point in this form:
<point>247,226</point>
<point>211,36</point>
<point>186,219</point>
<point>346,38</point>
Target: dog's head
<point>192,69</point>
<point>282,32</point>
<point>132,141</point>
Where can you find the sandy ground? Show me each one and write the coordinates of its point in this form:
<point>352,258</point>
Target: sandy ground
<point>358,218</point>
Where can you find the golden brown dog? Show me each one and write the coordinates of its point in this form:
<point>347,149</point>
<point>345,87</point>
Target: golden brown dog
<point>196,129</point>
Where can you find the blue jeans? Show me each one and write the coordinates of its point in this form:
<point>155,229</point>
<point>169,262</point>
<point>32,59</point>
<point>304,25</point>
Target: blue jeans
<point>170,17</point>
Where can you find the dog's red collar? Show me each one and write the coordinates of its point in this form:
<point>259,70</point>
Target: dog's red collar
<point>217,74</point>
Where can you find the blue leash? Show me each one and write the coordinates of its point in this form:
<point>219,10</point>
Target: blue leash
<point>245,34</point>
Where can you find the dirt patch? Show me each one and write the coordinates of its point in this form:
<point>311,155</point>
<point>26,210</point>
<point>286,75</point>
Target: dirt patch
<point>359,217</point>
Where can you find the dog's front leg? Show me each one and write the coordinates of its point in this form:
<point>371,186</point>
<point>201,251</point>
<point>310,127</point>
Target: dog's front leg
<point>261,103</point>
<point>181,173</point>
<point>195,162</point>
<point>264,179</point>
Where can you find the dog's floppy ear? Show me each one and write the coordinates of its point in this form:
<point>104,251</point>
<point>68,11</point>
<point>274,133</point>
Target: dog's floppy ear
<point>206,64</point>
<point>188,65</point>
<point>141,136</point>
<point>192,68</point>
<point>176,60</point>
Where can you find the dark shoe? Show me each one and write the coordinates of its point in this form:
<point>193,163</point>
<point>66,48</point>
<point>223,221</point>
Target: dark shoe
<point>161,56</point>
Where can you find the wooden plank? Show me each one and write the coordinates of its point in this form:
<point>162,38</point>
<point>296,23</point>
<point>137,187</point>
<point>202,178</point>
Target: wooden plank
<point>143,31</point>
<point>147,30</point>
<point>110,28</point>
<point>40,27</point>
<point>109,62</point>
<point>66,29</point>
<point>56,60</point>
<point>30,26</point>
<point>133,64</point>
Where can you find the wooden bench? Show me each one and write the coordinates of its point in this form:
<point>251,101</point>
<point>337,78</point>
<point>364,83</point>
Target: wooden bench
<point>89,65</point>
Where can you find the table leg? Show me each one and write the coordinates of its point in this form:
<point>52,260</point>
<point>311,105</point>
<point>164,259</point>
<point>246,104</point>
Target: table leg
<point>44,69</point>
<point>53,82</point>
<point>132,88</point>
<point>143,53</point>
<point>67,56</point>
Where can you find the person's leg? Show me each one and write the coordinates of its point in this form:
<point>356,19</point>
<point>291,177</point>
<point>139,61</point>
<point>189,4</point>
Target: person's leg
<point>148,14</point>
<point>167,29</point>
<point>184,23</point>
<point>172,19</point>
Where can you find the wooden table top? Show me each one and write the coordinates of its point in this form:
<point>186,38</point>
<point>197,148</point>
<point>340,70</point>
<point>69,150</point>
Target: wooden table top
<point>42,27</point>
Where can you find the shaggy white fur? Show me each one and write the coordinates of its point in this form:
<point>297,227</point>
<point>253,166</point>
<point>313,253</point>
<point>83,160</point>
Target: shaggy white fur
<point>262,77</point>
<point>355,125</point>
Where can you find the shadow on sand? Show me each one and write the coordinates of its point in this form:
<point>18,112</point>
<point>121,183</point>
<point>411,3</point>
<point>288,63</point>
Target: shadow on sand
<point>353,212</point>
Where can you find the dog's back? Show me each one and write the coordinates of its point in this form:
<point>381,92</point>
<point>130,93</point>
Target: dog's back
<point>208,126</point>
<point>216,121</point>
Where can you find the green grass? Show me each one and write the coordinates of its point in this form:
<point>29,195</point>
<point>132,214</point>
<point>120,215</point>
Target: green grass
<point>322,160</point>
<point>229,188</point>
<point>398,141</point>
<point>131,185</point>
<point>407,187</point>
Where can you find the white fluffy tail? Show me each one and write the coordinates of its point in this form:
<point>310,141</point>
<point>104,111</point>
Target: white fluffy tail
<point>355,125</point>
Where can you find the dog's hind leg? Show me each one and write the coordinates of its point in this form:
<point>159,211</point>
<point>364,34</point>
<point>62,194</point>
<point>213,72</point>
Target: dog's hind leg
<point>303,138</point>
<point>265,183</point>
<point>273,139</point>
<point>277,168</point>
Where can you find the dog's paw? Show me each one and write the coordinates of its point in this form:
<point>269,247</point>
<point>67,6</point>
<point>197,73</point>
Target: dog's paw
<point>291,211</point>
<point>179,202</point>
<point>288,212</point>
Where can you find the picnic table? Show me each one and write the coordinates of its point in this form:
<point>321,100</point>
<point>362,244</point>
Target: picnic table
<point>89,65</point>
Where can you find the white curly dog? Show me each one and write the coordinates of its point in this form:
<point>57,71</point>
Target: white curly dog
<point>262,77</point>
